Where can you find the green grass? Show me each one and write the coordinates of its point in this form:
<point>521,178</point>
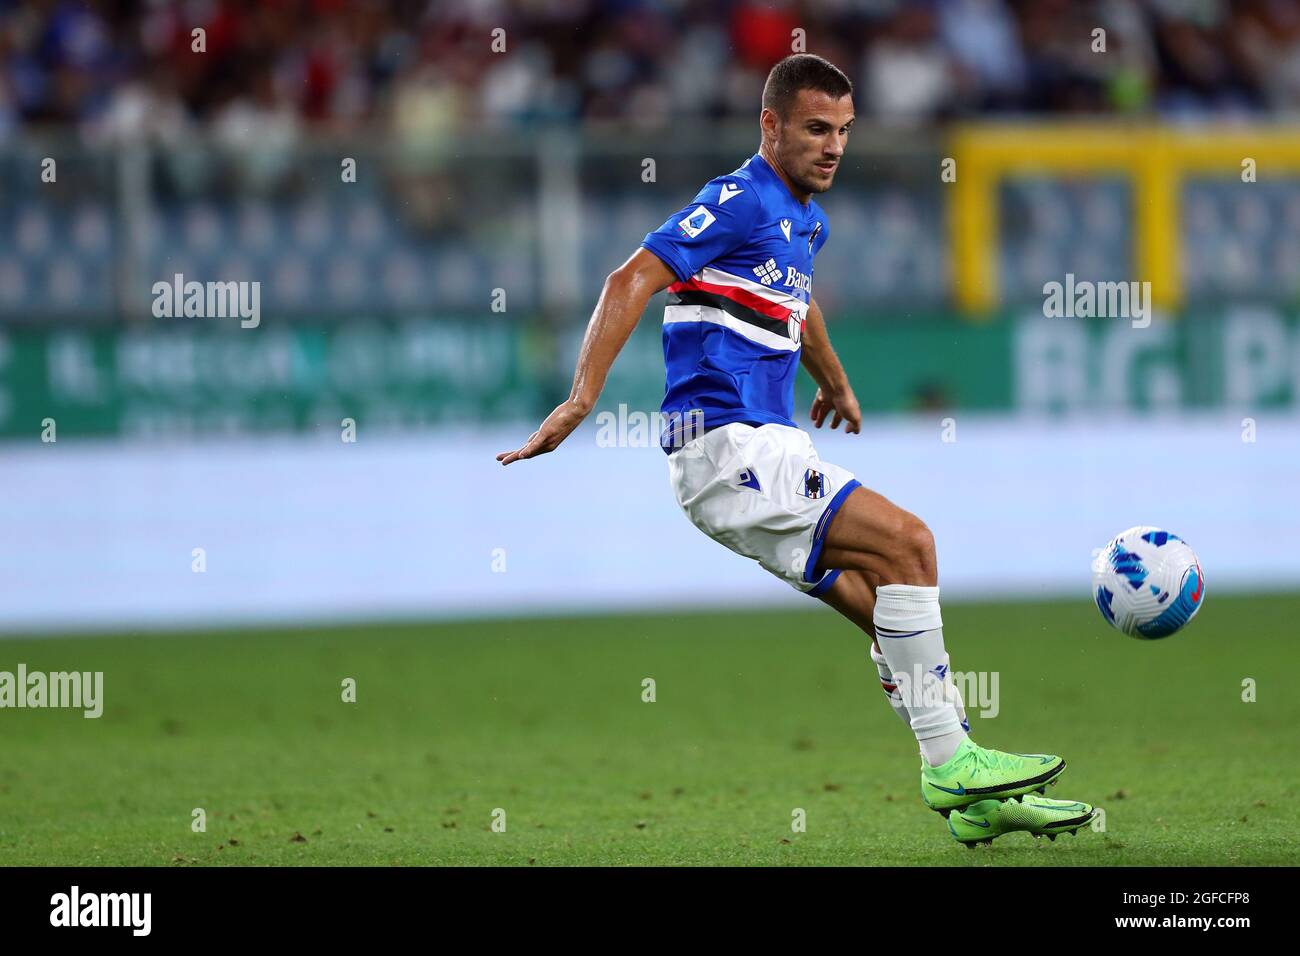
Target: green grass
<point>756,714</point>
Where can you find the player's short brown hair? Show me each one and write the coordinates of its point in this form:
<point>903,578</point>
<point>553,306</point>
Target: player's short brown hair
<point>802,71</point>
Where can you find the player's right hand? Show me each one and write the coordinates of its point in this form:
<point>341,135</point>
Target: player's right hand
<point>845,406</point>
<point>554,430</point>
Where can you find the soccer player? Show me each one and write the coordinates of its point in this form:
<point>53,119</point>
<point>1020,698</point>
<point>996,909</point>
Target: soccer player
<point>737,262</point>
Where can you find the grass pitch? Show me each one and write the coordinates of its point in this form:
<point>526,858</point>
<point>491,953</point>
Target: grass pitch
<point>756,714</point>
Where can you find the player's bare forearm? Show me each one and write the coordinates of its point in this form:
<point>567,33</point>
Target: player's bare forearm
<point>623,299</point>
<point>817,355</point>
<point>834,394</point>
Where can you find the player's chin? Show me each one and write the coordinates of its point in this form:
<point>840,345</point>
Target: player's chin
<point>820,181</point>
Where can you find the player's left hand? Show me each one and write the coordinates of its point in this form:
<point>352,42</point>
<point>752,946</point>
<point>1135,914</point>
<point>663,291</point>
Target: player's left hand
<point>557,427</point>
<point>843,404</point>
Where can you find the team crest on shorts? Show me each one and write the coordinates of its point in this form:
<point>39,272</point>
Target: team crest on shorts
<point>814,485</point>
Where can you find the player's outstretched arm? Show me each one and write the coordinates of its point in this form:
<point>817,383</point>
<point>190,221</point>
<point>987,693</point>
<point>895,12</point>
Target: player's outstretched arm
<point>834,394</point>
<point>627,290</point>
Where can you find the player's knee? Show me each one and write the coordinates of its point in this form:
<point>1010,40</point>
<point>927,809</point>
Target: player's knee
<point>912,558</point>
<point>921,542</point>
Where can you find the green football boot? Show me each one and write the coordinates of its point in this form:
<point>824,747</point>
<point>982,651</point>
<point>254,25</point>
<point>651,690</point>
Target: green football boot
<point>975,773</point>
<point>981,822</point>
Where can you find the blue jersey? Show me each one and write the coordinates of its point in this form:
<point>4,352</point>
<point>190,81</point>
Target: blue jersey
<point>742,251</point>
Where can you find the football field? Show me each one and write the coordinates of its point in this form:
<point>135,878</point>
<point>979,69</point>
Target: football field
<point>541,725</point>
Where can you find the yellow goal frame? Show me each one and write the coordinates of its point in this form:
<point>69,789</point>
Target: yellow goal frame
<point>1154,158</point>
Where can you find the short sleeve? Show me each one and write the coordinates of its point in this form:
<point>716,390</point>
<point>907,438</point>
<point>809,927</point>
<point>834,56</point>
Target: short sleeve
<point>717,221</point>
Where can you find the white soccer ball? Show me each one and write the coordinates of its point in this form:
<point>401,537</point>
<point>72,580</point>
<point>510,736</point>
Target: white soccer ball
<point>1147,583</point>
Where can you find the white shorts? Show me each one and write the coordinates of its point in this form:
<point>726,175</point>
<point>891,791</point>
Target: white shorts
<point>764,493</point>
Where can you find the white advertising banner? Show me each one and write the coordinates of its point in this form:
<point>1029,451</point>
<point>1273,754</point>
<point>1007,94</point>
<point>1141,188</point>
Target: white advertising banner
<point>119,535</point>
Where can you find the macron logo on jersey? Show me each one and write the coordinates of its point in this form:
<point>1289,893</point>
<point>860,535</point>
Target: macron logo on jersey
<point>785,228</point>
<point>695,223</point>
<point>728,192</point>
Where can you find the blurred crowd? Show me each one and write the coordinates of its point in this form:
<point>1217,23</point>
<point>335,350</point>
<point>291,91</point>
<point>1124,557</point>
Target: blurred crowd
<point>270,67</point>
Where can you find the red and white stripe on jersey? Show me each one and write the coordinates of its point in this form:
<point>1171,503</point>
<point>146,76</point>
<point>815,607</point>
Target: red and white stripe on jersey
<point>761,314</point>
<point>713,276</point>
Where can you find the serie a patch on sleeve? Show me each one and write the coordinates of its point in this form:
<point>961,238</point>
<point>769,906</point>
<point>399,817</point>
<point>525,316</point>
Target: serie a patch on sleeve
<point>696,222</point>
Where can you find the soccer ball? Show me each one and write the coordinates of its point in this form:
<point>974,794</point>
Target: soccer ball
<point>1147,583</point>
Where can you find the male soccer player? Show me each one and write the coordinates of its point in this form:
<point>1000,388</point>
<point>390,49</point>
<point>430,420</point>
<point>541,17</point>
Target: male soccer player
<point>737,262</point>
